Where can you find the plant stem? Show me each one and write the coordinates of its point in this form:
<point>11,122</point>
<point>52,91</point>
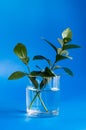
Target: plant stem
<point>33,100</point>
<point>42,103</point>
<point>38,95</point>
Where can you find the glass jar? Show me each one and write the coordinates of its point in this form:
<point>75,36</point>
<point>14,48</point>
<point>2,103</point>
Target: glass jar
<point>43,100</point>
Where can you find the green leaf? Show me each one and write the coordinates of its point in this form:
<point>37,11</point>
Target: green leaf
<point>25,60</point>
<point>47,73</point>
<point>70,46</point>
<point>59,50</point>
<point>64,52</point>
<point>39,57</point>
<point>21,51</point>
<point>68,71</point>
<point>66,40</point>
<point>17,75</point>
<point>60,57</point>
<point>67,33</point>
<point>60,41</point>
<point>35,73</point>
<point>44,82</point>
<point>34,81</point>
<point>69,57</point>
<point>50,44</point>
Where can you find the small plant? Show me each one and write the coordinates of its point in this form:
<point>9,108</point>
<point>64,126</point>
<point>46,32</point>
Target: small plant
<point>49,71</point>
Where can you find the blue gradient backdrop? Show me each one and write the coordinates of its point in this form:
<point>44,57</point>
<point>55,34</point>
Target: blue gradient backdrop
<point>27,21</point>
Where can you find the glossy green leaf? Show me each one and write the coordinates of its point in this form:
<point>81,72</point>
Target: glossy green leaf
<point>34,81</point>
<point>60,57</point>
<point>59,50</point>
<point>61,41</point>
<point>39,57</point>
<point>69,57</point>
<point>70,46</point>
<point>67,33</point>
<point>17,75</point>
<point>35,73</point>
<point>25,60</point>
<point>66,40</point>
<point>64,52</point>
<point>68,71</point>
<point>47,73</point>
<point>44,82</point>
<point>21,51</point>
<point>54,47</point>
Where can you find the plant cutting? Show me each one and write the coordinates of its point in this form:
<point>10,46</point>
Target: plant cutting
<point>42,94</point>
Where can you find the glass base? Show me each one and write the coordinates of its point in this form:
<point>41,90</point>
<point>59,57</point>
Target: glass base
<point>41,114</point>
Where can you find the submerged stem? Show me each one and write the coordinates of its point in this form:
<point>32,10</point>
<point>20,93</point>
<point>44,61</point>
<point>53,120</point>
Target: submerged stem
<point>33,100</point>
<point>42,102</point>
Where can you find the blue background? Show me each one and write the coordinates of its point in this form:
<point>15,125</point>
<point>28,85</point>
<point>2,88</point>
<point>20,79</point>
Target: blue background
<point>27,21</point>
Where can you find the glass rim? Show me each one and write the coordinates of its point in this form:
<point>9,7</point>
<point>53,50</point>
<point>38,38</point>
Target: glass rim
<point>45,76</point>
<point>40,90</point>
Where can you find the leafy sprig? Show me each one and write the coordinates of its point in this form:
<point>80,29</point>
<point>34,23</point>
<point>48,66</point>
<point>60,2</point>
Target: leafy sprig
<point>61,53</point>
<point>46,73</point>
